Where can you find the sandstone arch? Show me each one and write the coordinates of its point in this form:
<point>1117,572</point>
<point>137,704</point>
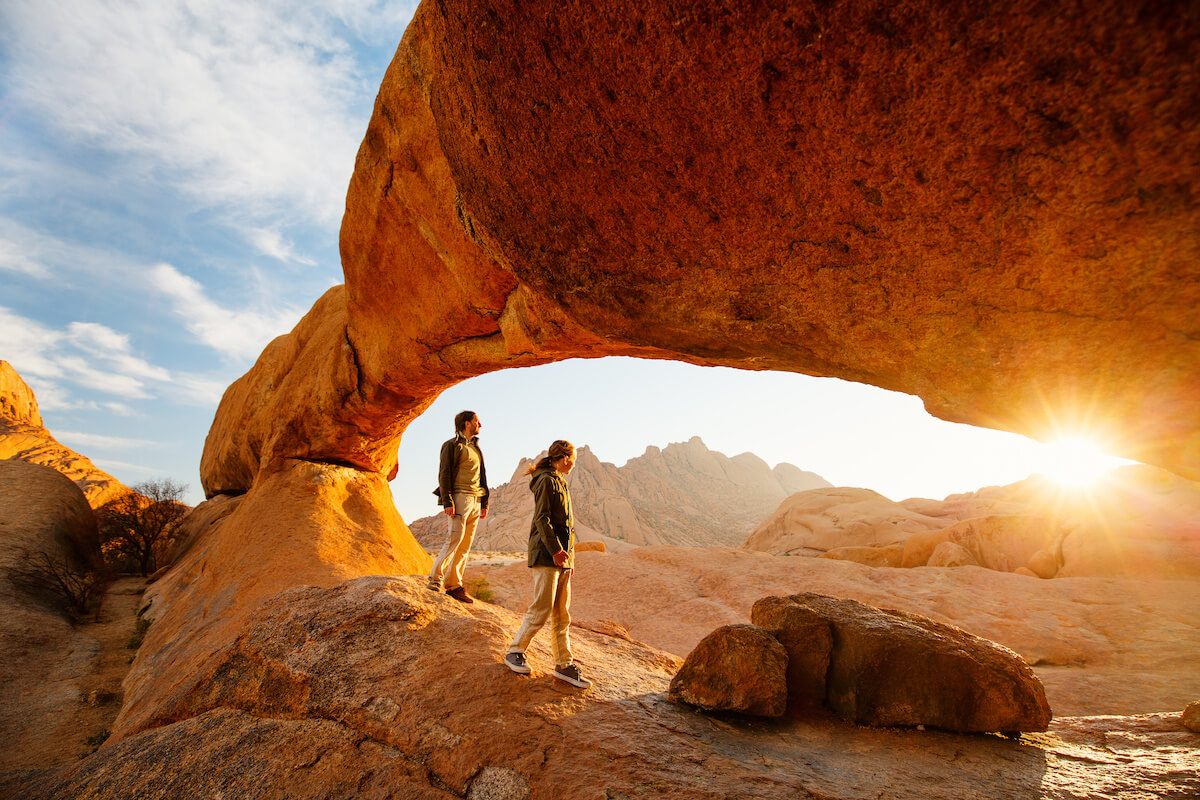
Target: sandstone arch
<point>991,207</point>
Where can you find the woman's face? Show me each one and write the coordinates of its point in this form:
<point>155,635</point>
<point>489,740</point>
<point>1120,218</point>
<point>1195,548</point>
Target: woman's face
<point>564,464</point>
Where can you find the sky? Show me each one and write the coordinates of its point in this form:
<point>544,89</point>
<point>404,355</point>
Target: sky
<point>172,178</point>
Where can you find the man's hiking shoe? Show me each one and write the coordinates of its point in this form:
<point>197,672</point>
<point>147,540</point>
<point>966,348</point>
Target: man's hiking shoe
<point>460,594</point>
<point>434,586</point>
<point>516,662</point>
<point>570,674</point>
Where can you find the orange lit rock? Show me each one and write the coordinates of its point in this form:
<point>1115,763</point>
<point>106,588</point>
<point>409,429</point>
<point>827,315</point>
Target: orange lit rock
<point>992,210</point>
<point>24,437</point>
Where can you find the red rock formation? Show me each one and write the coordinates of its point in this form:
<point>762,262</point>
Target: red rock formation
<point>378,689</point>
<point>883,193</point>
<point>993,209</point>
<point>24,437</point>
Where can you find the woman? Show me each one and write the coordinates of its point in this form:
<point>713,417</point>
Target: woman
<point>552,558</point>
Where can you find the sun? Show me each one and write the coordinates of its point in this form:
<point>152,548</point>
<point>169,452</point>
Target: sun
<point>1076,462</point>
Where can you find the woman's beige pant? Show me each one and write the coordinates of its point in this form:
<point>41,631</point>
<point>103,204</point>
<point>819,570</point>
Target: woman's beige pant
<point>551,600</point>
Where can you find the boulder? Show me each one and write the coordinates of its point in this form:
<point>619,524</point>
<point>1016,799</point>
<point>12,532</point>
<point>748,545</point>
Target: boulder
<point>1191,717</point>
<point>44,511</point>
<point>919,547</point>
<point>41,652</point>
<point>951,554</point>
<point>1005,542</point>
<point>593,547</point>
<point>739,668</point>
<point>1043,564</point>
<point>807,637</point>
<point>17,403</point>
<point>900,669</point>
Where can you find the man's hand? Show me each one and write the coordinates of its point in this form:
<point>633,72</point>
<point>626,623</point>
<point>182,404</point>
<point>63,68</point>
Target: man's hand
<point>560,558</point>
<point>450,511</point>
<point>483,513</point>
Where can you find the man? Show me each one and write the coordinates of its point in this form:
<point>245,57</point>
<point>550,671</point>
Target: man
<point>463,493</point>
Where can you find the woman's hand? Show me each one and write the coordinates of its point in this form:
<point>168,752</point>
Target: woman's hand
<point>560,558</point>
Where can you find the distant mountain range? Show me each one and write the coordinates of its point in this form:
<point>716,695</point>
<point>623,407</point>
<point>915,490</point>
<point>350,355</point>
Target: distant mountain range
<point>682,494</point>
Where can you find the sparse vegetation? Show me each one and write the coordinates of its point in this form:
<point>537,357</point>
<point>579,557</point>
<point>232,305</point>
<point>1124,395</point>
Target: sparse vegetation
<point>60,580</point>
<point>139,633</point>
<point>98,738</point>
<point>133,526</point>
<point>477,587</point>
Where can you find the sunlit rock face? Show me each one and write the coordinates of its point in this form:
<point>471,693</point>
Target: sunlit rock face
<point>995,210</point>
<point>23,436</point>
<point>992,209</point>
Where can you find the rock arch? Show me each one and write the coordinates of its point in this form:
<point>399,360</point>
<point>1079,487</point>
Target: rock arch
<point>993,207</point>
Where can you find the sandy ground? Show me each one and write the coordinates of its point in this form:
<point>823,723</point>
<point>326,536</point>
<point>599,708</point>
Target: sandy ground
<point>98,686</point>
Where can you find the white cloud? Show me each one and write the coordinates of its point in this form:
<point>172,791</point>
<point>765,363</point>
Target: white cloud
<point>238,334</point>
<point>198,390</point>
<point>271,242</point>
<point>86,441</point>
<point>120,466</point>
<point>27,345</point>
<point>254,105</point>
<point>41,255</point>
<point>97,359</point>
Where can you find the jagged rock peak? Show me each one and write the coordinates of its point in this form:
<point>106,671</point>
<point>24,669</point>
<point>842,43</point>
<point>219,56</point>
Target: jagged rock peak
<point>24,436</point>
<point>17,402</point>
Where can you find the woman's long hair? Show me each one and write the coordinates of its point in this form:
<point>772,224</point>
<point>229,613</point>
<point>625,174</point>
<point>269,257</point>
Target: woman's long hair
<point>557,450</point>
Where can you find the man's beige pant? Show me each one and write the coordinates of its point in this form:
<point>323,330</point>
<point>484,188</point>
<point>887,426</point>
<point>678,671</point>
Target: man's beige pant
<point>448,566</point>
<point>551,600</point>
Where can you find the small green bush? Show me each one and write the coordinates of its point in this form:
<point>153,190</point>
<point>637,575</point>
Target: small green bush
<point>477,587</point>
<point>139,633</point>
<point>98,738</point>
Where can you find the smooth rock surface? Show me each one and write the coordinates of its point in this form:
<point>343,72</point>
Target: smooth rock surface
<point>41,511</point>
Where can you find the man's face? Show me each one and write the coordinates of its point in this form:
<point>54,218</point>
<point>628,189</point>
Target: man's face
<point>471,427</point>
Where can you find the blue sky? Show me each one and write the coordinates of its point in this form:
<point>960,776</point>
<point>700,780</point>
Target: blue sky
<point>172,177</point>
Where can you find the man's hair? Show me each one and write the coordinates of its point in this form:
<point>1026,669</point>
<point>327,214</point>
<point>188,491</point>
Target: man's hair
<point>461,419</point>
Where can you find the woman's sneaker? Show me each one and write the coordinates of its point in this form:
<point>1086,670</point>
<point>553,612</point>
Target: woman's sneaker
<point>516,662</point>
<point>570,674</point>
